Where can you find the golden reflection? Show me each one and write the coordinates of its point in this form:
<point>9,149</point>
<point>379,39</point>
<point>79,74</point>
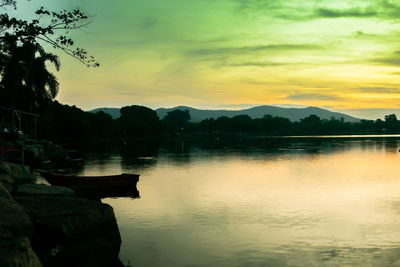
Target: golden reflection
<point>270,203</point>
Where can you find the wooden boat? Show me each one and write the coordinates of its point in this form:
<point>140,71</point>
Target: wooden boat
<point>112,185</point>
<point>8,152</point>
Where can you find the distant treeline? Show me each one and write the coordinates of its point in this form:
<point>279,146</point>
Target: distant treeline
<point>70,124</point>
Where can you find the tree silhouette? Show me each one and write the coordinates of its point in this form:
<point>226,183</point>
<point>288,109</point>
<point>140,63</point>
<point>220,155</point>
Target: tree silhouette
<point>177,119</point>
<point>391,118</point>
<point>311,124</point>
<point>391,122</point>
<point>25,78</point>
<point>138,120</point>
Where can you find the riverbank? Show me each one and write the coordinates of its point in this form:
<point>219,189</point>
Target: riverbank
<point>53,226</point>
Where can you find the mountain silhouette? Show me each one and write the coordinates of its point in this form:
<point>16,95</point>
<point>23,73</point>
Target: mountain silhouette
<point>293,114</point>
<point>113,112</point>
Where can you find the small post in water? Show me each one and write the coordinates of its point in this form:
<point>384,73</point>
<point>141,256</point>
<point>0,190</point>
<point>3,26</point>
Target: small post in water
<point>21,143</point>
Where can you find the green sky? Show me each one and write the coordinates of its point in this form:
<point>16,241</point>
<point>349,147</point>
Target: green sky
<point>341,55</point>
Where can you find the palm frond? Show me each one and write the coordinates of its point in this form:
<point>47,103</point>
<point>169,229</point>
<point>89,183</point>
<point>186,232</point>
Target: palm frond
<point>52,85</point>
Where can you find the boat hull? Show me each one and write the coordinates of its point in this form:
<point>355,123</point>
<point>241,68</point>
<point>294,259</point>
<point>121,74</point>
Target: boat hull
<point>108,186</point>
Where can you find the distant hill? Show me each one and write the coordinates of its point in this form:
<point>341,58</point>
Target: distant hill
<point>114,112</point>
<point>293,114</point>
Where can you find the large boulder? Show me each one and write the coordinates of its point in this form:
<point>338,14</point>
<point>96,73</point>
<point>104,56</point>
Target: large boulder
<point>15,231</point>
<point>62,220</point>
<point>12,175</point>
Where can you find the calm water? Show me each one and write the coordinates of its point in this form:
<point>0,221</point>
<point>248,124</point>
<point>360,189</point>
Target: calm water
<point>300,202</point>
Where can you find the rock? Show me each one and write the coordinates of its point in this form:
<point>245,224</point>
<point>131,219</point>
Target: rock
<point>96,252</point>
<point>37,150</point>
<point>42,189</point>
<point>86,191</point>
<point>110,224</point>
<point>15,230</point>
<point>18,253</point>
<point>64,220</point>
<point>12,175</point>
<point>17,222</point>
<point>34,154</point>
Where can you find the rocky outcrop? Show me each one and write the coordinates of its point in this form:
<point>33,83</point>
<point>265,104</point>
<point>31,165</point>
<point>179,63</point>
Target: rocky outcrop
<point>61,220</point>
<point>43,225</point>
<point>12,175</point>
<point>15,230</point>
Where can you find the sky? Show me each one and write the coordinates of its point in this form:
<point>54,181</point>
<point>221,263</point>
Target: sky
<point>340,55</point>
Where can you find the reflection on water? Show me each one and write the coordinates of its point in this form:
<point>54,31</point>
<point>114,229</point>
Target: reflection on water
<point>265,202</point>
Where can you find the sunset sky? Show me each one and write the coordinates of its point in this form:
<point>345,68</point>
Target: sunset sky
<point>340,55</point>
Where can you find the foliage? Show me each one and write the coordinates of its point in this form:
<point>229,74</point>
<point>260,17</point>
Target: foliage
<point>48,27</point>
<point>25,80</point>
<point>175,120</point>
<point>310,125</point>
<point>63,123</point>
<point>138,120</point>
<point>70,124</point>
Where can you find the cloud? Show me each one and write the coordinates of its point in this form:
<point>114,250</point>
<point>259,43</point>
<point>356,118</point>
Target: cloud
<point>395,60</point>
<point>367,36</point>
<point>148,23</point>
<point>385,90</point>
<point>251,49</point>
<point>389,9</point>
<point>291,10</point>
<point>312,96</point>
<point>328,107</point>
<point>340,13</point>
<point>238,106</point>
<point>251,5</point>
<point>257,64</point>
<point>392,58</point>
<point>289,105</point>
<point>255,81</point>
<point>300,11</point>
<point>382,9</point>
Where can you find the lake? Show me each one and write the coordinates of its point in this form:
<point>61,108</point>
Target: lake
<point>312,201</point>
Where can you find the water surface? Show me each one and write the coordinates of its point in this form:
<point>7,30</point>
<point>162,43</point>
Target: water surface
<point>301,202</point>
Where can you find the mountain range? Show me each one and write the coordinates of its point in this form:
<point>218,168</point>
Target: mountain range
<point>293,114</point>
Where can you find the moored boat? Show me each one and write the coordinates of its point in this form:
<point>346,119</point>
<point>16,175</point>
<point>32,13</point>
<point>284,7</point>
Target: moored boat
<point>111,185</point>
